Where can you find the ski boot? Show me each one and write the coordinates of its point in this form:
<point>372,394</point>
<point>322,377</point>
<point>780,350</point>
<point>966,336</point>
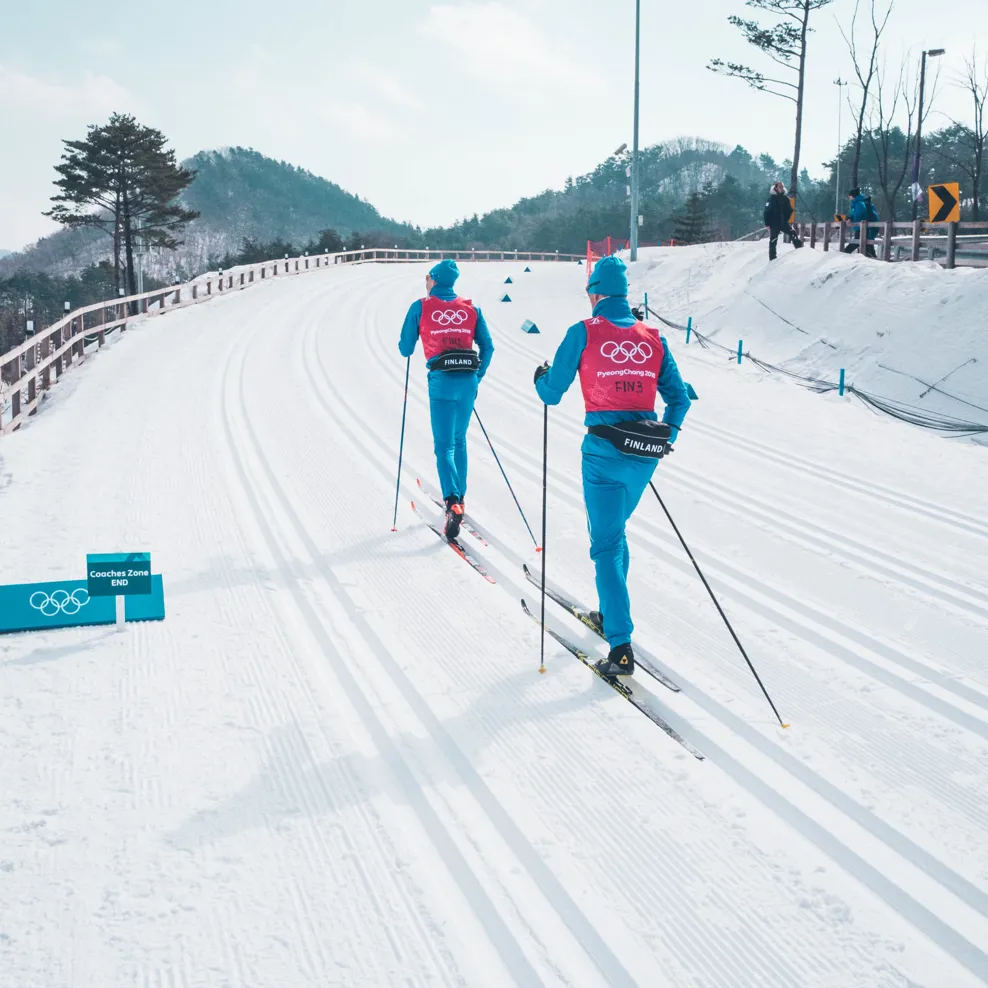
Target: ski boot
<point>596,620</point>
<point>454,516</point>
<point>619,662</point>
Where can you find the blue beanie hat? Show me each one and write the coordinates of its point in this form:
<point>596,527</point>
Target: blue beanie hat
<point>609,277</point>
<point>445,273</point>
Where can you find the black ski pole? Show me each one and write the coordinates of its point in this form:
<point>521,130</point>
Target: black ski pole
<point>401,444</point>
<point>497,460</point>
<point>545,479</point>
<point>720,610</point>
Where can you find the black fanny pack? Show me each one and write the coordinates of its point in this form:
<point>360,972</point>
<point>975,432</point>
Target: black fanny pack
<point>456,360</point>
<point>642,437</point>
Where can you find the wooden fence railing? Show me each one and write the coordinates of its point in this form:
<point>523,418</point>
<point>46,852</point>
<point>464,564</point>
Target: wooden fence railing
<point>31,367</point>
<point>964,243</point>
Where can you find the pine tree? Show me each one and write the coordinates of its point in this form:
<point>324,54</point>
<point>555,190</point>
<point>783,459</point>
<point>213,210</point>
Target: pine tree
<point>692,225</point>
<point>124,170</point>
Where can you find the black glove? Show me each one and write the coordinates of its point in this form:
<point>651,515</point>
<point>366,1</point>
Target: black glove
<point>540,370</point>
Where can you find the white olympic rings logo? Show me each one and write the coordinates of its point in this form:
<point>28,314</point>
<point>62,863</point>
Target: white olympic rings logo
<point>626,350</point>
<point>450,317</point>
<point>60,601</point>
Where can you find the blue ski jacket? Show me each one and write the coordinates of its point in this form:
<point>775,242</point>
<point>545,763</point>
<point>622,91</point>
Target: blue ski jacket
<point>451,385</point>
<point>565,365</point>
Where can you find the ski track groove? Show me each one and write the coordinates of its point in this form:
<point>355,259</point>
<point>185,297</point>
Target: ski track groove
<point>974,959</point>
<point>266,708</point>
<point>951,517</point>
<point>444,966</point>
<point>498,933</point>
<point>924,582</point>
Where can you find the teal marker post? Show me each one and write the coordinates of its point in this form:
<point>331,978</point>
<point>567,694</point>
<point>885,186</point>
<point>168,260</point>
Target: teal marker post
<point>689,329</point>
<point>646,305</point>
<point>740,344</point>
<point>841,388</point>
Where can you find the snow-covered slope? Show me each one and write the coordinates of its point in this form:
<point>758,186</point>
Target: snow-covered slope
<point>335,762</point>
<point>911,332</point>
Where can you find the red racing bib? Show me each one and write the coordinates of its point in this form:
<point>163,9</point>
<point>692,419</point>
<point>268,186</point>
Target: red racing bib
<point>447,326</point>
<point>620,367</point>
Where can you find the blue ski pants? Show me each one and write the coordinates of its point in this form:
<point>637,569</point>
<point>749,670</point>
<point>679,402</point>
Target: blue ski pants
<point>613,484</point>
<point>450,420</point>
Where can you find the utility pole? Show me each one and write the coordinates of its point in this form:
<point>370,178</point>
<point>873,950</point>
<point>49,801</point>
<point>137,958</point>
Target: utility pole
<point>916,190</point>
<point>634,151</point>
<point>840,84</point>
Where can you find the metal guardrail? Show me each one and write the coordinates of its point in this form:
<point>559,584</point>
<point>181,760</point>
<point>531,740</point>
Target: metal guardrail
<point>29,369</point>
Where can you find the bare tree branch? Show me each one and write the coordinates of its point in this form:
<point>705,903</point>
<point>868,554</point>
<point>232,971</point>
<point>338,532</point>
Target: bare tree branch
<point>864,73</point>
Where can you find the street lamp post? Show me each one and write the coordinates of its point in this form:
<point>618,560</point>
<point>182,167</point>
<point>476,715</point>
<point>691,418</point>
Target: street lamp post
<point>840,83</point>
<point>916,191</point>
<point>634,152</point>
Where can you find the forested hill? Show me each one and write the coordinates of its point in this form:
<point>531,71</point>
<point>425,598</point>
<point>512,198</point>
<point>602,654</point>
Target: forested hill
<point>240,194</point>
<point>735,186</point>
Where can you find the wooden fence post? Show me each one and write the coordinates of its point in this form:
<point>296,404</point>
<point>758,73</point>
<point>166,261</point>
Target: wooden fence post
<point>951,244</point>
<point>842,241</point>
<point>57,340</point>
<point>826,235</point>
<point>917,227</point>
<point>13,376</point>
<point>46,373</point>
<point>863,241</point>
<point>889,233</point>
<point>813,235</point>
<point>32,384</point>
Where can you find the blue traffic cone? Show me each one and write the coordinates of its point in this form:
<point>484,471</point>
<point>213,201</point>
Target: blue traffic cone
<point>506,298</point>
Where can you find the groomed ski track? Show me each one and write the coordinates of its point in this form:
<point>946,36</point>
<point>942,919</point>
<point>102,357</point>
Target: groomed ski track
<point>335,761</point>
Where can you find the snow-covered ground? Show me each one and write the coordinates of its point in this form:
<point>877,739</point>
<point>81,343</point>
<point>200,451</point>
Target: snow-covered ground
<point>911,332</point>
<point>335,762</point>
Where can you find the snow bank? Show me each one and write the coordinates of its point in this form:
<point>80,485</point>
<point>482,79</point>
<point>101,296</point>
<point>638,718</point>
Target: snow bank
<point>911,332</point>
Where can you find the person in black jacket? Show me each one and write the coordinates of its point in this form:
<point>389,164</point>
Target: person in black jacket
<point>778,210</point>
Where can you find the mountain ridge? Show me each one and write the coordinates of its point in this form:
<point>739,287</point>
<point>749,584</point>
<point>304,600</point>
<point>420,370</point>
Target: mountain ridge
<point>240,194</point>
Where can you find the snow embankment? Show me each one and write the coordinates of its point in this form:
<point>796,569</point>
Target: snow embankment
<point>910,332</point>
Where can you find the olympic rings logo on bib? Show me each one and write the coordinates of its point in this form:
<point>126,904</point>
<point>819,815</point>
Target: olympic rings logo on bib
<point>450,317</point>
<point>59,601</point>
<point>621,353</point>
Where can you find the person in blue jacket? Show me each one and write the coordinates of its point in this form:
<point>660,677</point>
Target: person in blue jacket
<point>861,210</point>
<point>449,326</point>
<point>623,364</point>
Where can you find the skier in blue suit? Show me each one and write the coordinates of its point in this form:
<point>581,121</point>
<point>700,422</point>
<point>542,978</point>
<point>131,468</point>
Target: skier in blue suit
<point>623,364</point>
<point>449,326</point>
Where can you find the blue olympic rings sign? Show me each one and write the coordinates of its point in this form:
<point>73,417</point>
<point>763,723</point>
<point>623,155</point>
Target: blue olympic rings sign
<point>59,602</point>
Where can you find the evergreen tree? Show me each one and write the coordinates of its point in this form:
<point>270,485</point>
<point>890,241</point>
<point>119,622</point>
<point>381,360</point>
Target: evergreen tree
<point>692,225</point>
<point>124,170</point>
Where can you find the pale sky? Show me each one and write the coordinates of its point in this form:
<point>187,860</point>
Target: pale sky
<point>430,110</point>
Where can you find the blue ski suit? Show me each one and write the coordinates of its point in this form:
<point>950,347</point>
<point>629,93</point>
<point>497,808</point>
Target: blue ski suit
<point>613,482</point>
<point>451,396</point>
